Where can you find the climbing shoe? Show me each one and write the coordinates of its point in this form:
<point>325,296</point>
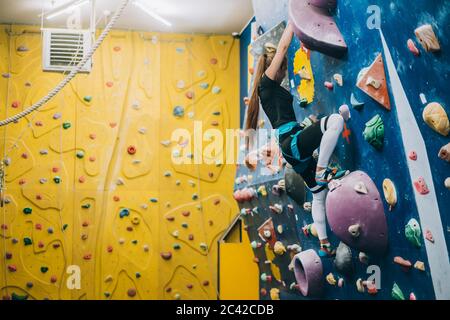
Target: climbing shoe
<point>324,177</point>
<point>307,230</point>
<point>326,250</point>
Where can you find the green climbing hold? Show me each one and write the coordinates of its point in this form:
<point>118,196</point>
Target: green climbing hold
<point>107,294</point>
<point>303,102</point>
<point>217,113</point>
<point>124,213</point>
<point>66,125</point>
<point>80,154</point>
<point>374,132</point>
<point>57,180</point>
<point>17,297</point>
<point>138,275</point>
<point>134,242</point>
<point>27,241</point>
<point>154,200</point>
<point>64,227</point>
<point>44,269</point>
<point>177,246</point>
<point>27,211</point>
<point>184,225</point>
<point>194,196</point>
<point>86,206</point>
<point>87,99</point>
<point>413,232</point>
<point>397,293</point>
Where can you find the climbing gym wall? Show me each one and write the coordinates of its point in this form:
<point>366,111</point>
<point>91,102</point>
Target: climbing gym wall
<point>90,184</point>
<point>386,66</point>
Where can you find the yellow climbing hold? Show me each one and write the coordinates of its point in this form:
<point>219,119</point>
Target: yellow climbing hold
<point>331,279</point>
<point>275,294</point>
<point>279,248</point>
<point>302,66</point>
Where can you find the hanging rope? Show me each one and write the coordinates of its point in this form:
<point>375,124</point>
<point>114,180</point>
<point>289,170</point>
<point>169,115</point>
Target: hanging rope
<point>73,73</point>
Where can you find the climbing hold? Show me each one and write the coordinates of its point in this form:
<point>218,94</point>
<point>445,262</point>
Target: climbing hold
<point>390,193</point>
<point>363,258</point>
<point>423,98</point>
<point>262,191</point>
<point>429,236</point>
<point>444,153</point>
<point>190,95</point>
<point>181,84</point>
<point>15,104</point>
<point>80,154</point>
<point>166,255</point>
<point>354,230</point>
<point>308,273</point>
<point>412,47</point>
<point>255,244</point>
<point>216,90</point>
<point>315,27</point>
<point>266,278</point>
<point>331,279</point>
<point>279,248</point>
<point>310,229</point>
<point>374,132</point>
<point>447,183</point>
<point>360,286</point>
<point>57,180</point>
<point>276,208</point>
<point>360,187</point>
<point>307,206</point>
<point>295,186</point>
<point>397,293</point>
<point>343,261</point>
<point>339,79</point>
<point>421,186</point>
<point>419,265</point>
<point>350,214</point>
<point>413,155</point>
<point>8,255</point>
<point>371,288</point>
<point>413,232</point>
<point>275,294</point>
<point>405,264</point>
<point>329,85</point>
<point>178,112</point>
<point>204,85</point>
<point>66,125</point>
<point>27,241</point>
<point>131,292</point>
<point>203,246</point>
<point>213,61</point>
<point>44,269</point>
<point>12,268</point>
<point>87,99</point>
<point>372,81</point>
<point>280,229</point>
<point>344,111</point>
<point>124,213</point>
<point>427,38</point>
<point>27,210</point>
<point>436,118</point>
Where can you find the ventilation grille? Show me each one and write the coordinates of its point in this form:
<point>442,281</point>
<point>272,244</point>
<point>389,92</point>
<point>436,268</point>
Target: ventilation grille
<point>64,49</point>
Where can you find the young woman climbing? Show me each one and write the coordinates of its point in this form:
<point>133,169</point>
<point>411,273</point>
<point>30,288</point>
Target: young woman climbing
<point>297,141</point>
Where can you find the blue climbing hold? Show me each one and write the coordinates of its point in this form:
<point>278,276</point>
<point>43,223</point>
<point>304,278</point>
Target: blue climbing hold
<point>124,213</point>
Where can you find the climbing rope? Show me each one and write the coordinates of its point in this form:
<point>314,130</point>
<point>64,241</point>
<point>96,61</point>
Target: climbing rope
<point>73,73</point>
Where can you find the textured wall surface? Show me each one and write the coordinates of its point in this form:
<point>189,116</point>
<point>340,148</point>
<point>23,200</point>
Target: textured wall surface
<point>427,74</point>
<point>77,194</point>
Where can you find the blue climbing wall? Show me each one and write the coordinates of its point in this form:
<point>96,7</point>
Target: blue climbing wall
<point>427,74</point>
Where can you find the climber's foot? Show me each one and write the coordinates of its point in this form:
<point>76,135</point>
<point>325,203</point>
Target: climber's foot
<point>307,230</point>
<point>324,176</point>
<point>326,250</point>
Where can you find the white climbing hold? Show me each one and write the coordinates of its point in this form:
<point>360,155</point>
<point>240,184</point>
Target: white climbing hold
<point>280,229</point>
<point>363,258</point>
<point>373,83</point>
<point>423,98</point>
<point>447,183</point>
<point>181,84</point>
<point>295,248</point>
<point>142,130</point>
<point>360,285</point>
<point>355,230</point>
<point>216,90</point>
<point>361,188</point>
<point>120,182</point>
<point>277,208</point>
<point>307,206</point>
<point>166,143</point>
<point>339,79</point>
<point>427,38</point>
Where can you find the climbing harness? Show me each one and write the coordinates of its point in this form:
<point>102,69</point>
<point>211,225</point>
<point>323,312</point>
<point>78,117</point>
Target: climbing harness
<point>293,129</point>
<point>73,73</point>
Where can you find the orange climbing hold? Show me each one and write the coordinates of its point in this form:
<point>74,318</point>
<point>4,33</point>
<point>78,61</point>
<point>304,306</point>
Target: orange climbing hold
<point>373,82</point>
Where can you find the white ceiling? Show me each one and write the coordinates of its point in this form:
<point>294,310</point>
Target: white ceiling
<point>186,16</point>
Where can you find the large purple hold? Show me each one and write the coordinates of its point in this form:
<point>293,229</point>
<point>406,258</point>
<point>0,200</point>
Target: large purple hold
<point>315,27</point>
<point>308,272</point>
<point>357,217</point>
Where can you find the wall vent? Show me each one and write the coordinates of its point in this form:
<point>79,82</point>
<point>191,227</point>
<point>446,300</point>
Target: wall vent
<point>63,49</point>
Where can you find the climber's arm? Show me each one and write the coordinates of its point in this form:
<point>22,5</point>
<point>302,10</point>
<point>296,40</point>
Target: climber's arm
<point>283,47</point>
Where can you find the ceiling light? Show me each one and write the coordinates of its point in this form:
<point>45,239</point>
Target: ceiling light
<point>67,8</point>
<point>151,13</point>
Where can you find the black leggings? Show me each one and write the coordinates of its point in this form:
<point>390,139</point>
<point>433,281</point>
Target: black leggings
<point>307,142</point>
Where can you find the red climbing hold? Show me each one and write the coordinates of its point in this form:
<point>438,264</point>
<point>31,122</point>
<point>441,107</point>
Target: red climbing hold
<point>214,61</point>
<point>186,213</point>
<point>329,85</point>
<point>413,155</point>
<point>132,292</point>
<point>12,268</point>
<point>109,249</point>
<point>205,283</point>
<point>82,179</point>
<point>405,264</point>
<point>53,279</point>
<point>15,104</point>
<point>116,198</point>
<point>87,256</point>
<point>117,49</point>
<point>131,150</point>
<point>109,84</point>
<point>429,236</point>
<point>190,95</point>
<point>421,186</point>
<point>189,286</point>
<point>412,47</point>
<point>166,255</point>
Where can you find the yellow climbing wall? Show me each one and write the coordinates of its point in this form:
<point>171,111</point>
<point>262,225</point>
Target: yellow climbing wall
<point>90,181</point>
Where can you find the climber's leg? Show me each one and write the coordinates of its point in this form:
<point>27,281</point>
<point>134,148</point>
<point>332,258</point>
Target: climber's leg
<point>332,127</point>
